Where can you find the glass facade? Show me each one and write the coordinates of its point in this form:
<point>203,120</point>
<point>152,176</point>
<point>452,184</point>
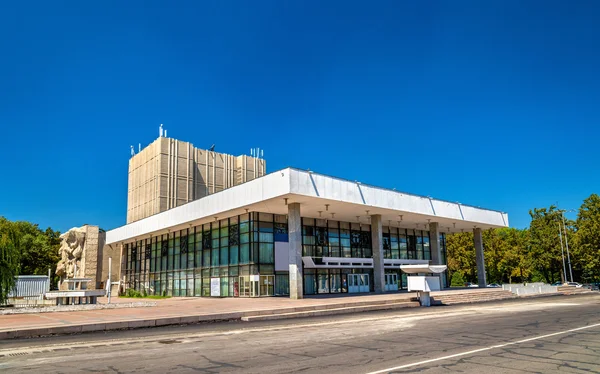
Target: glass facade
<point>184,262</point>
<point>229,251</point>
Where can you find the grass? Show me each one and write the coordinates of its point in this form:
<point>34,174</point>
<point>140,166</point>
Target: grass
<point>143,295</point>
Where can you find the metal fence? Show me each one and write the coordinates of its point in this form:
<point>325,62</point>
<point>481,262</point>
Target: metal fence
<point>30,286</point>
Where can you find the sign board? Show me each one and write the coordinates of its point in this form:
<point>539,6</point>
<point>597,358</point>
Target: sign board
<point>423,283</point>
<point>255,278</point>
<point>215,287</point>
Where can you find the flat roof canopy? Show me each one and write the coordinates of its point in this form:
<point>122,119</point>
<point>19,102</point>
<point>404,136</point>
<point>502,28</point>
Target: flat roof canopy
<point>320,196</point>
<point>416,269</point>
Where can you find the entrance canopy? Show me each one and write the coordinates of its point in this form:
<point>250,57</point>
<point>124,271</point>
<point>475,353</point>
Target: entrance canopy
<point>429,269</point>
<point>320,196</point>
<point>357,263</point>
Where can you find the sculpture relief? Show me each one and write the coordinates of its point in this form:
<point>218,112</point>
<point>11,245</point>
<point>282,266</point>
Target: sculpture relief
<point>71,250</point>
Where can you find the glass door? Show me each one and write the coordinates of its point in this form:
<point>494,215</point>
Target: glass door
<point>391,282</point>
<point>254,288</point>
<point>267,285</point>
<point>364,283</point>
<point>353,283</point>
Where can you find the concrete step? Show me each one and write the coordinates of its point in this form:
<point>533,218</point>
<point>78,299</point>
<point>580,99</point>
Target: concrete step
<point>333,311</point>
<point>322,307</point>
<point>569,290</point>
<point>475,297</point>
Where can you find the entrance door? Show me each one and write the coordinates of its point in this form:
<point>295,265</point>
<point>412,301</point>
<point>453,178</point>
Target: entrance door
<point>254,288</point>
<point>353,281</point>
<point>267,285</point>
<point>364,283</point>
<point>358,283</point>
<point>391,282</point>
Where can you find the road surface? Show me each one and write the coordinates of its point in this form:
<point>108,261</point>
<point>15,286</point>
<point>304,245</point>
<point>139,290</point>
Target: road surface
<point>545,335</point>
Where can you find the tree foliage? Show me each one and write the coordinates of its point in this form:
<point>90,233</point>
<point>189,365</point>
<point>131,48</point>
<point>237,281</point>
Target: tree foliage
<point>535,253</point>
<point>33,250</point>
<point>9,259</point>
<point>587,239</point>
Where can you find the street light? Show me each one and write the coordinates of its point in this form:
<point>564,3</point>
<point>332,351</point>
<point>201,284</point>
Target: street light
<point>562,250</point>
<point>562,213</point>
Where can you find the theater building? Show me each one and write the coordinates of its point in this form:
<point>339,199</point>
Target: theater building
<point>293,232</point>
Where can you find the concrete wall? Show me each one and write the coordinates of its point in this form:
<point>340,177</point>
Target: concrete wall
<point>169,173</point>
<point>111,251</point>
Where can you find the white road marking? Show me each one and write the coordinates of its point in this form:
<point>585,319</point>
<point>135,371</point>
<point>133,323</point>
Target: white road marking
<point>484,349</point>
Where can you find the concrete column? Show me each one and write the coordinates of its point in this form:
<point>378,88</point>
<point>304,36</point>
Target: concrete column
<point>377,243</point>
<point>436,249</point>
<point>479,257</point>
<point>295,253</point>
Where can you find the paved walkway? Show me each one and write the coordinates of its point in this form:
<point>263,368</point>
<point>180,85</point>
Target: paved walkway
<point>204,308</point>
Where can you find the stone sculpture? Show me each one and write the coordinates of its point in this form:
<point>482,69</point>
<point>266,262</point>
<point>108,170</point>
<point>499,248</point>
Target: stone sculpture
<point>71,250</point>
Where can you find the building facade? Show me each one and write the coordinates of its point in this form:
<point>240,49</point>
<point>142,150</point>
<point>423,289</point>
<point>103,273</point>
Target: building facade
<point>186,262</point>
<point>170,172</point>
<point>295,233</point>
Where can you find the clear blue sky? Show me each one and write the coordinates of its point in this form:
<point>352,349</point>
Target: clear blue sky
<point>494,104</point>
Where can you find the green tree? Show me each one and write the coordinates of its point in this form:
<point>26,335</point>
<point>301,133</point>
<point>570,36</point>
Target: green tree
<point>587,239</point>
<point>460,251</point>
<point>515,262</point>
<point>545,247</point>
<point>37,250</point>
<point>9,258</point>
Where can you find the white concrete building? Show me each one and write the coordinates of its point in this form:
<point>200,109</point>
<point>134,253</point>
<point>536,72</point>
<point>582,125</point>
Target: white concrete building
<point>293,232</point>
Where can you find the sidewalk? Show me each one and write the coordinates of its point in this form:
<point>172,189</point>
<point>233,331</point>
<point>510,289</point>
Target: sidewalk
<point>182,311</point>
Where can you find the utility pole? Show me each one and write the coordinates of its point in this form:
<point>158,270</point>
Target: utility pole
<point>567,244</point>
<point>562,249</point>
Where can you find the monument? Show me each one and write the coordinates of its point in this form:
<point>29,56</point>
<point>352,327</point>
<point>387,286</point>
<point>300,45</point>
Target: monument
<point>81,256</point>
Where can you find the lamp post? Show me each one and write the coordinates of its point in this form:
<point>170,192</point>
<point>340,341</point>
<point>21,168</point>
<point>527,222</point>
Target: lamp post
<point>562,250</point>
<point>562,213</point>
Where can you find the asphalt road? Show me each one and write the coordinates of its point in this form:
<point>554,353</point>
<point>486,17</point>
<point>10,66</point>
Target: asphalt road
<point>557,334</point>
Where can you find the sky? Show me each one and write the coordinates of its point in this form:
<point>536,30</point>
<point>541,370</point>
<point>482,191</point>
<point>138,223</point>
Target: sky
<point>488,103</point>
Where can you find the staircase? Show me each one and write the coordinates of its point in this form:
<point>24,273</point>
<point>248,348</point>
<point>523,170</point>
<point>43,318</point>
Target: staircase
<point>475,296</point>
<point>331,309</point>
<point>570,290</point>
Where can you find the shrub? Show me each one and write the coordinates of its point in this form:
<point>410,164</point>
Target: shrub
<point>457,280</point>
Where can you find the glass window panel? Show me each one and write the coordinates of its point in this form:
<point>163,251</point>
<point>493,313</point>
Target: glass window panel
<point>266,226</point>
<point>206,258</point>
<point>266,253</point>
<point>244,253</point>
<point>224,230</point>
<point>224,260</point>
<point>426,247</point>
<point>308,250</point>
<point>334,251</point>
<point>266,217</point>
<point>198,259</point>
<point>177,246</point>
<point>266,237</point>
<point>244,238</point>
<point>214,258</point>
<point>233,255</point>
